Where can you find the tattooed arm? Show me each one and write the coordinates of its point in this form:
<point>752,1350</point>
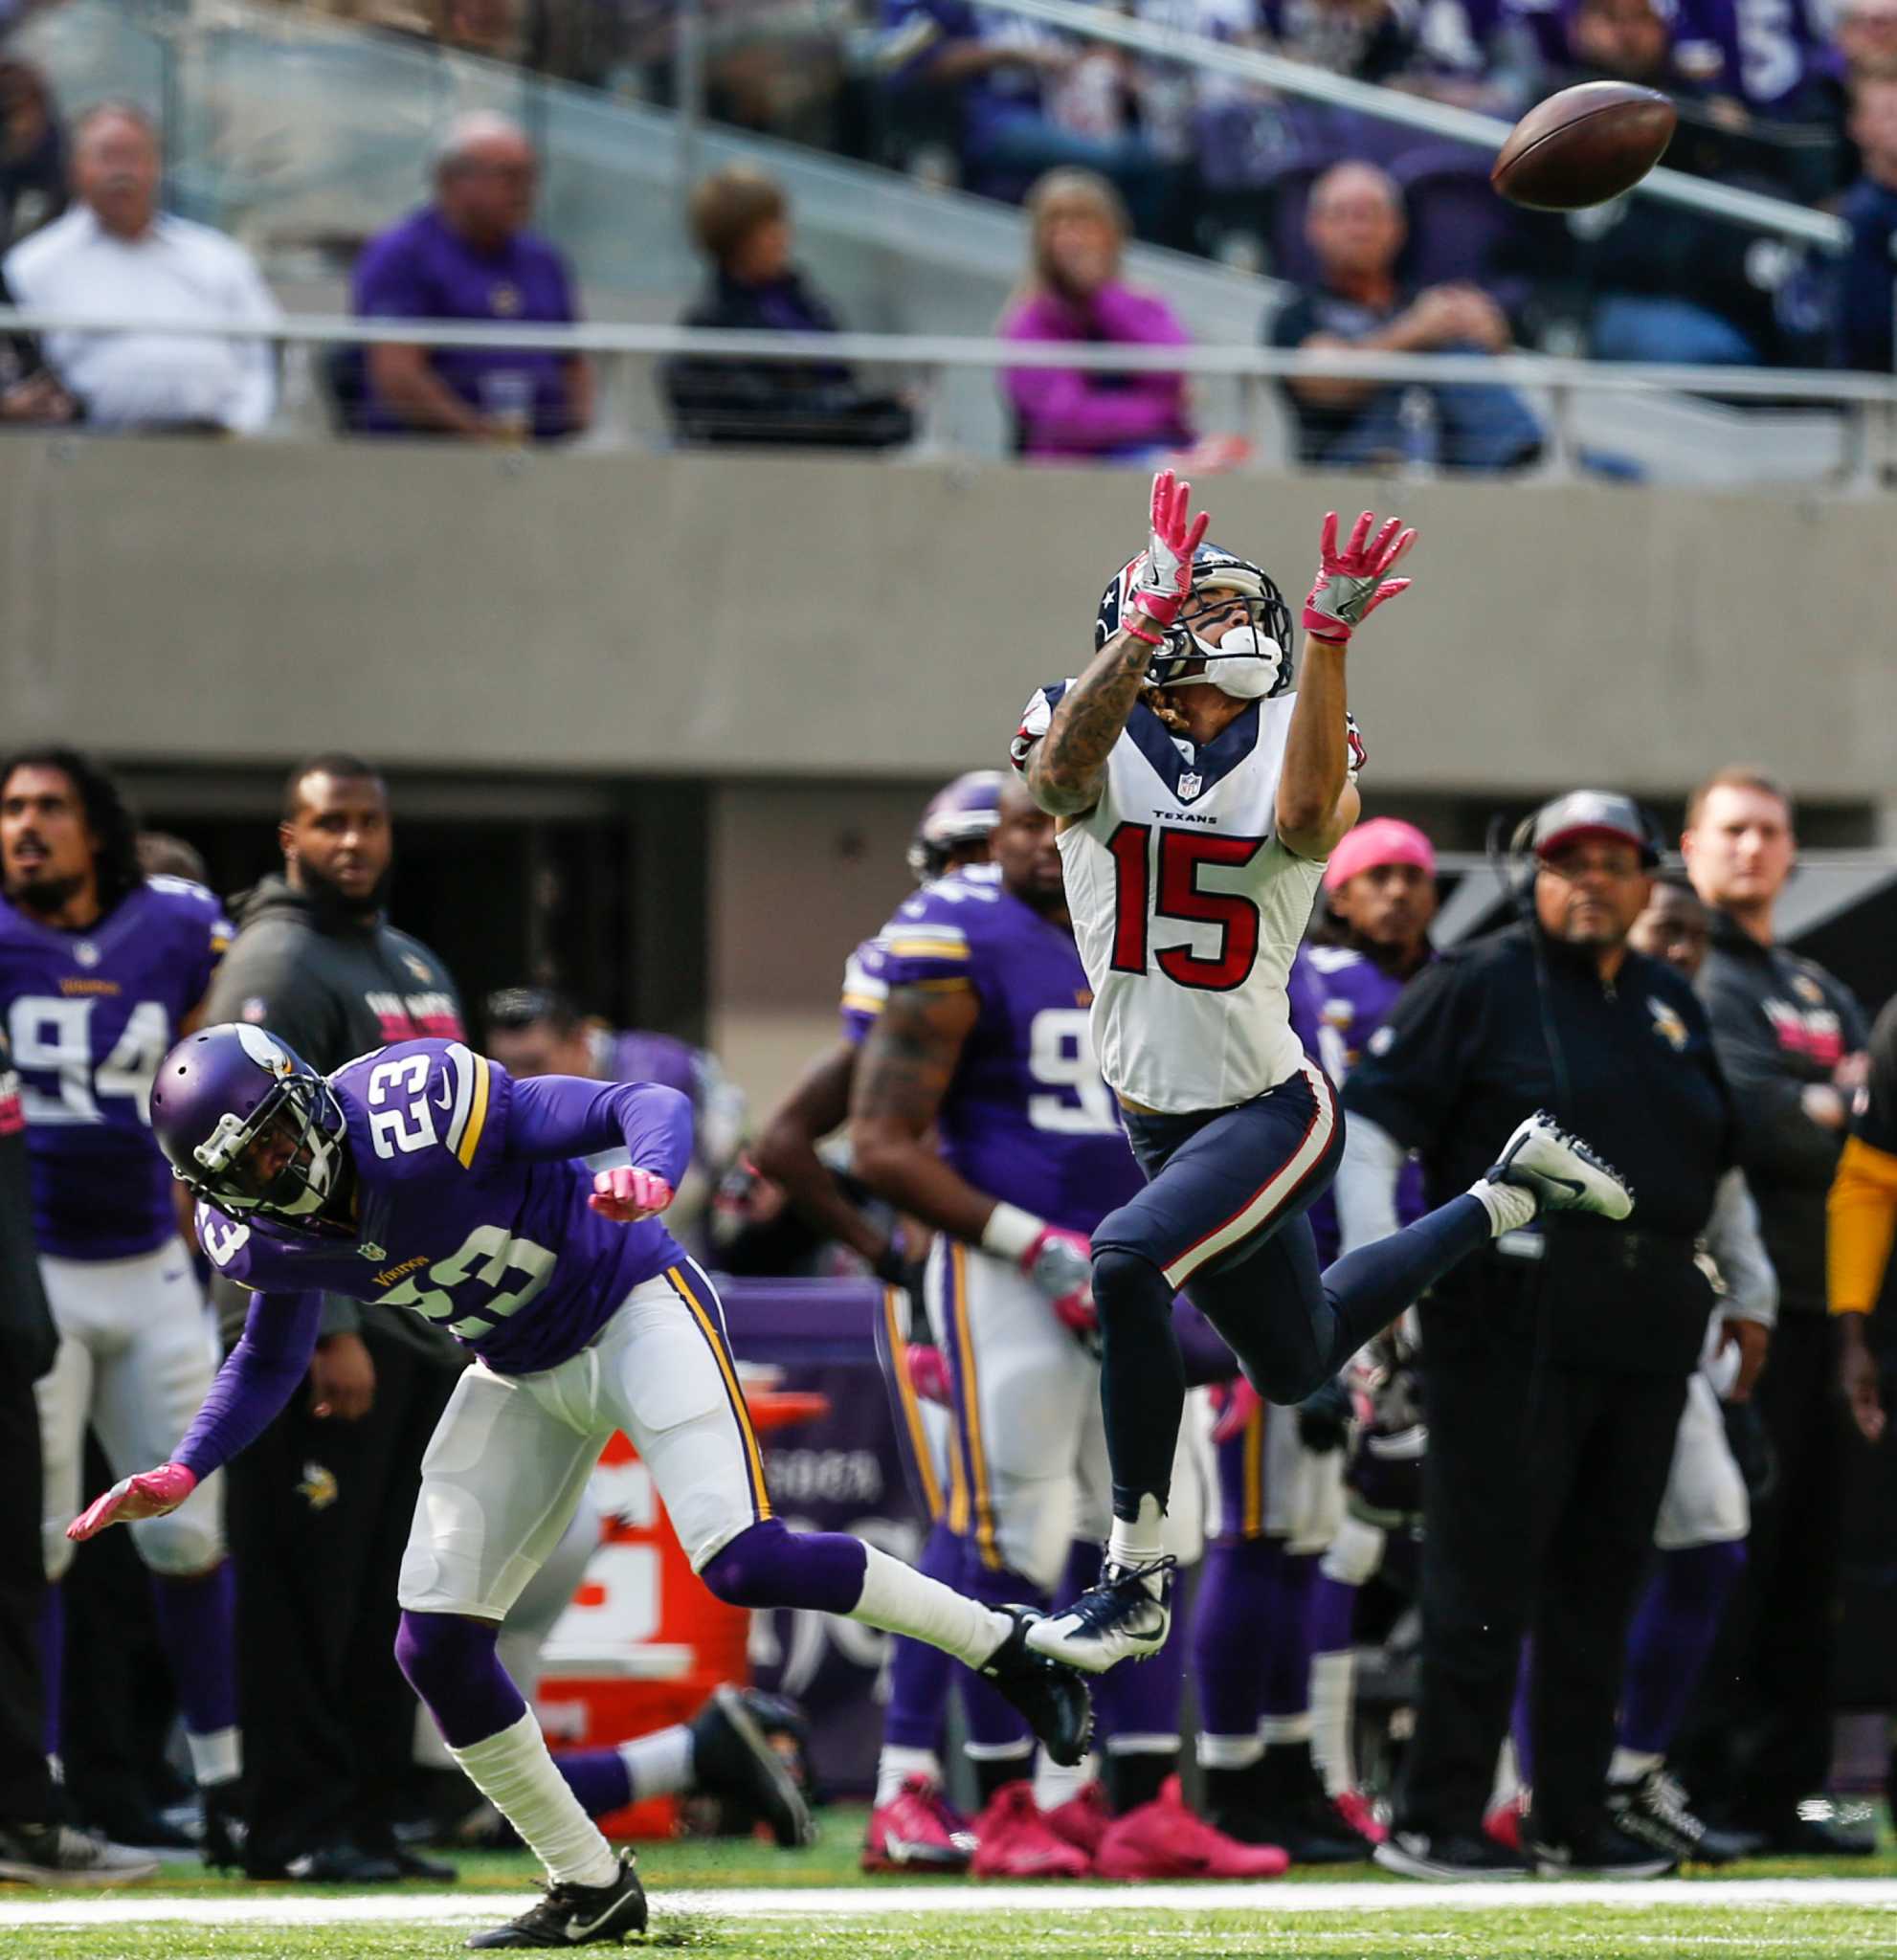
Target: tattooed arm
<point>903,1074</point>
<point>1066,769</point>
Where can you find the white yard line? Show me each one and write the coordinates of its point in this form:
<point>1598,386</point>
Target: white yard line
<point>130,1908</point>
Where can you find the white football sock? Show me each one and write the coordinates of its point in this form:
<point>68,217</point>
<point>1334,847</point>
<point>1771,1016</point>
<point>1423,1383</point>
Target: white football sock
<point>660,1763</point>
<point>896,1765</point>
<point>1629,1765</point>
<point>1229,1751</point>
<point>217,1757</point>
<point>1284,1728</point>
<point>1055,1785</point>
<point>517,1776</point>
<point>1140,1541</point>
<point>1508,1206</point>
<point>902,1600</point>
<point>1333,1693</point>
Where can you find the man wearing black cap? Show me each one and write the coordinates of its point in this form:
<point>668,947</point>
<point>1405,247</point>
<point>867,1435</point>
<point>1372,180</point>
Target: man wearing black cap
<point>1555,1362</point>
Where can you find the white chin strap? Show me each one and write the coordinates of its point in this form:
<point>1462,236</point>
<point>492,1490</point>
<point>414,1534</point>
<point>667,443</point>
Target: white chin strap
<point>1244,664</point>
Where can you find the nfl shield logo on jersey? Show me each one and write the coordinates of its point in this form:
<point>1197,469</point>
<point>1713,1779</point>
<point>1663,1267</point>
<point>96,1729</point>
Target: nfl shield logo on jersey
<point>1190,785</point>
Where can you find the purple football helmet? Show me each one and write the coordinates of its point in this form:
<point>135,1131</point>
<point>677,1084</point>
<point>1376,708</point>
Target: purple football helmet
<point>959,814</point>
<point>250,1127</point>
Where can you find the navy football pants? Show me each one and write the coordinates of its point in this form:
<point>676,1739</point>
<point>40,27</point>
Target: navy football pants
<point>1222,1217</point>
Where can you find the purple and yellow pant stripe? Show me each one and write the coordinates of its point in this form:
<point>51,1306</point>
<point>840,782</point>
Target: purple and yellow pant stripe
<point>701,1303</point>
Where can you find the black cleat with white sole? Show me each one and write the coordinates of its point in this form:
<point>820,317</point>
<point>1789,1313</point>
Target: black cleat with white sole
<point>1560,1171</point>
<point>577,1915</point>
<point>734,1758</point>
<point>1126,1616</point>
<point>1052,1696</point>
<point>1653,1810</point>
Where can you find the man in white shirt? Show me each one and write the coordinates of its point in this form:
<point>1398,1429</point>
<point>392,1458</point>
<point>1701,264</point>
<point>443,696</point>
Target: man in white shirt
<point>116,256</point>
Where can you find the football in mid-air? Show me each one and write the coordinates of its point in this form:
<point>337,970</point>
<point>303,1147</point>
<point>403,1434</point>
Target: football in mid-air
<point>1584,146</point>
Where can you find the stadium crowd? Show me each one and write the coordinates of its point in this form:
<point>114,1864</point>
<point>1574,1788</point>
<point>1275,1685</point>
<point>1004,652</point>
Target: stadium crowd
<point>1387,239</point>
<point>1686,1632</point>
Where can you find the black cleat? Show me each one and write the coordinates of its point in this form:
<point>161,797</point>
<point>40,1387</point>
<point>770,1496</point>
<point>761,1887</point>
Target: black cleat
<point>1655,1810</point>
<point>734,1759</point>
<point>1602,1851</point>
<point>577,1915</point>
<point>222,1843</point>
<point>58,1855</point>
<point>1449,1860</point>
<point>1051,1695</point>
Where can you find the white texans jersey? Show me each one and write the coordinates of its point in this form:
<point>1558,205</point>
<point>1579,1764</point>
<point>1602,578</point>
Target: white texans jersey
<point>1187,909</point>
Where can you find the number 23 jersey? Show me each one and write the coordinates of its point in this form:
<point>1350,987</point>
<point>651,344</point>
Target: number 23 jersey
<point>91,1014</point>
<point>1026,1116</point>
<point>500,1248</point>
<point>1187,909</point>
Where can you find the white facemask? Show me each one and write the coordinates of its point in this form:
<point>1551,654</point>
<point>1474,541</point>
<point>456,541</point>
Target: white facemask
<point>1246,665</point>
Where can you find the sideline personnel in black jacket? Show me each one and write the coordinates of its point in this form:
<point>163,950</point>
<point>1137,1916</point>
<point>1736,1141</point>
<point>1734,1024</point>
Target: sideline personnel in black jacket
<point>1555,1364</point>
<point>320,1507</point>
<point>1791,1039</point>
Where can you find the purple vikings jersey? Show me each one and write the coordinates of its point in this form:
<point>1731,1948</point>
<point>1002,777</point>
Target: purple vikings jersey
<point>91,1014</point>
<point>1339,1000</point>
<point>865,989</point>
<point>1028,1116</point>
<point>500,1248</point>
<point>1760,51</point>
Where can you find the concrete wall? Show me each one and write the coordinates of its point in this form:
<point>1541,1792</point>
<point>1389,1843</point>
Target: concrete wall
<point>745,617</point>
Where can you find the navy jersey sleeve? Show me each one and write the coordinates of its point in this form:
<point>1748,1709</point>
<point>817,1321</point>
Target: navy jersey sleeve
<point>1408,1077</point>
<point>1034,720</point>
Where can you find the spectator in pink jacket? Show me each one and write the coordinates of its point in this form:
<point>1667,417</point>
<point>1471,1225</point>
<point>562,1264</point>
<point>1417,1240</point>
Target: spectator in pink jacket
<point>1073,291</point>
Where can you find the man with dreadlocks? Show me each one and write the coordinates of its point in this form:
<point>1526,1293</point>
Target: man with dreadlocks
<point>102,968</point>
<point>1198,799</point>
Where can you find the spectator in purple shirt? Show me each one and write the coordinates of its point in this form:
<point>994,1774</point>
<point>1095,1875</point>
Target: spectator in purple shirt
<point>1073,291</point>
<point>470,256</point>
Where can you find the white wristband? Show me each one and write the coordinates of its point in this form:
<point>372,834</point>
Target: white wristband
<point>1011,1232</point>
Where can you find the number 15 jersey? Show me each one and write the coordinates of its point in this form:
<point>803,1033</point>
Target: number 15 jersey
<point>1026,1116</point>
<point>1187,909</point>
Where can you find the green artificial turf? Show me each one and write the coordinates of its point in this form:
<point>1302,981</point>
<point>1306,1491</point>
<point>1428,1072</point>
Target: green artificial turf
<point>1074,1924</point>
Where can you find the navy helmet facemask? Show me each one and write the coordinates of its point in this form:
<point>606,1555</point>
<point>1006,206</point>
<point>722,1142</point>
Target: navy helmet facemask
<point>1252,659</point>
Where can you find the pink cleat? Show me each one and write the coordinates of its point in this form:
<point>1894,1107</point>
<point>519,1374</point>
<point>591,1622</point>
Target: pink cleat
<point>1503,1825</point>
<point>917,1830</point>
<point>1083,1820</point>
<point>1163,1840</point>
<point>1015,1842</point>
<point>1357,1812</point>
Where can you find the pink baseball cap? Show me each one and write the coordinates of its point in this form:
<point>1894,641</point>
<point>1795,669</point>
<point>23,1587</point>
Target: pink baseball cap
<point>1383,840</point>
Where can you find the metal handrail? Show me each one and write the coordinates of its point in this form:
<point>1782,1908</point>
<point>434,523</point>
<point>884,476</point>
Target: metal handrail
<point>942,350</point>
<point>1394,105</point>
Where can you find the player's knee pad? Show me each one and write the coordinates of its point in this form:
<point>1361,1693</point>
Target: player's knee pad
<point>186,1544</point>
<point>1355,1553</point>
<point>1129,1286</point>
